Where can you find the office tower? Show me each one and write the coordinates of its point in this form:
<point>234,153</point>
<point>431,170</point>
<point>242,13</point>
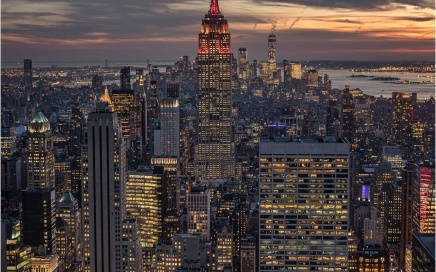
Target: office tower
<point>40,158</point>
<point>295,68</point>
<point>39,218</point>
<point>253,70</point>
<point>139,83</point>
<point>152,117</point>
<point>9,141</point>
<point>167,138</point>
<point>362,117</point>
<point>272,63</point>
<point>171,183</point>
<point>125,78</point>
<point>125,104</point>
<point>11,173</point>
<point>393,155</point>
<point>64,246</point>
<point>311,77</point>
<point>303,188</point>
<point>423,252</point>
<point>15,256</point>
<point>243,68</point>
<point>122,102</point>
<point>409,175</point>
<point>332,119</point>
<point>28,77</point>
<point>383,174</point>
<point>402,118</point>
<point>104,190</point>
<point>97,82</point>
<point>131,252</point>
<point>144,202</point>
<point>347,115</point>
<point>214,156</point>
<point>423,198</point>
<point>393,216</point>
<point>68,209</point>
<point>199,212</point>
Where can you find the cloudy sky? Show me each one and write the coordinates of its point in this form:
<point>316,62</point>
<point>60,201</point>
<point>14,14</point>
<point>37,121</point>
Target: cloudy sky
<point>95,30</point>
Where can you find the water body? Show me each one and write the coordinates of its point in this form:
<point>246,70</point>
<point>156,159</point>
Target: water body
<point>340,78</point>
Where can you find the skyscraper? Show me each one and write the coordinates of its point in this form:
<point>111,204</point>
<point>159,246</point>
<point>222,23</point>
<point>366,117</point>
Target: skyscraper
<point>402,118</point>
<point>104,191</point>
<point>243,68</point>
<point>303,195</point>
<point>39,218</point>
<point>125,78</point>
<point>423,194</point>
<point>214,156</point>
<point>128,109</point>
<point>272,63</point>
<point>144,202</point>
<point>199,212</point>
<point>40,158</point>
<point>28,77</point>
<point>167,142</point>
<point>68,209</point>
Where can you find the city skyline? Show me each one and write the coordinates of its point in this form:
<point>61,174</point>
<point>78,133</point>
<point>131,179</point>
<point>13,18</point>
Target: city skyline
<point>344,30</point>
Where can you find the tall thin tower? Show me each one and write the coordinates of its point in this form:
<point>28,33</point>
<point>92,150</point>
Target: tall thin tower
<point>28,76</point>
<point>214,157</point>
<point>104,191</point>
<point>40,159</point>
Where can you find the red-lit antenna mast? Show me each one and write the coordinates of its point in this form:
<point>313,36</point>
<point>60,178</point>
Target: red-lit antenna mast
<point>214,8</point>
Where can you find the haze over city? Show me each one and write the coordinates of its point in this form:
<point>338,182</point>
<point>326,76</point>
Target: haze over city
<point>166,30</point>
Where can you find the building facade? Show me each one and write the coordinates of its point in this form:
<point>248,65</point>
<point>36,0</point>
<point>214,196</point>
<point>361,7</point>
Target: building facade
<point>214,158</point>
<point>303,194</point>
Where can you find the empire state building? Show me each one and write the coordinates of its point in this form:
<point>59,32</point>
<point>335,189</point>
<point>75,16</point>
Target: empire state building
<point>214,157</point>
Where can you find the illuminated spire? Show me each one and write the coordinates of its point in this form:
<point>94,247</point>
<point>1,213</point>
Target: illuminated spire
<point>214,8</point>
<point>105,97</point>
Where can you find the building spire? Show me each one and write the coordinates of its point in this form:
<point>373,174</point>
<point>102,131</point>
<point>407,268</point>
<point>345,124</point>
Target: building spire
<point>105,97</point>
<point>214,8</point>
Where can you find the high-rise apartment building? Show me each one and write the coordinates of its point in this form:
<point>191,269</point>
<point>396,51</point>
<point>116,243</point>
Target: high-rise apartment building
<point>303,195</point>
<point>104,191</point>
<point>40,158</point>
<point>214,158</point>
<point>28,77</point>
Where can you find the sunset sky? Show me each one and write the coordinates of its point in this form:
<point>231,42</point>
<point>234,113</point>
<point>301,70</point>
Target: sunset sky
<point>168,29</point>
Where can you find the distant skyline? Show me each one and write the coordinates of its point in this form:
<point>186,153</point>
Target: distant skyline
<point>168,29</point>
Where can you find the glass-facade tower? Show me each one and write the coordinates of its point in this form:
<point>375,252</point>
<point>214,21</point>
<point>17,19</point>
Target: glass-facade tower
<point>303,212</point>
